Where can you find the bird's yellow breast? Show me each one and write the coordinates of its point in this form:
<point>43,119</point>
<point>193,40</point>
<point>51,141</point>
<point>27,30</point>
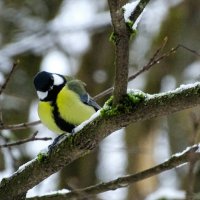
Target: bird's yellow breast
<point>70,108</point>
<point>45,112</point>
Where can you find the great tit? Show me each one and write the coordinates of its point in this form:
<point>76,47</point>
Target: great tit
<point>64,102</point>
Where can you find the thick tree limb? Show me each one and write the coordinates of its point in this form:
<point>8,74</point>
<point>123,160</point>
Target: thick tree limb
<point>124,181</point>
<point>122,33</point>
<point>121,36</point>
<point>89,137</point>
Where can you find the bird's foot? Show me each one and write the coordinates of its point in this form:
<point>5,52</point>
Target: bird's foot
<point>73,131</point>
<point>57,140</point>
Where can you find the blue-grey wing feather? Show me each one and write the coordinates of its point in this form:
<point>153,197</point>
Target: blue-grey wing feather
<point>89,101</point>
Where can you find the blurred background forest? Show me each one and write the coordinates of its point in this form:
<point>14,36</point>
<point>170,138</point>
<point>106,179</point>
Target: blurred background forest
<point>72,37</point>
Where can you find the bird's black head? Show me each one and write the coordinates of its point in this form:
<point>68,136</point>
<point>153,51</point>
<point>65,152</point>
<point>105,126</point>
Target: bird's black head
<point>43,81</point>
<point>48,85</point>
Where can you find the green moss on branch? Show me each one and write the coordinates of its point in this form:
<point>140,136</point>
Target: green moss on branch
<point>127,103</point>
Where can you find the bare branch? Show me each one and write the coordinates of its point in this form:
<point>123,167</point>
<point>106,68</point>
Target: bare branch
<point>3,87</point>
<point>150,64</point>
<point>124,181</point>
<point>30,139</point>
<point>138,10</point>
<point>188,49</point>
<point>103,94</point>
<point>19,126</point>
<point>121,36</point>
<point>155,59</point>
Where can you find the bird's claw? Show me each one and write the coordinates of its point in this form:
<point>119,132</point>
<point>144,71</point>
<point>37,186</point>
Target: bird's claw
<point>57,140</point>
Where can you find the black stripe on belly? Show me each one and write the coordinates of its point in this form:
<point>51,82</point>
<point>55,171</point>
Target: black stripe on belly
<point>60,122</point>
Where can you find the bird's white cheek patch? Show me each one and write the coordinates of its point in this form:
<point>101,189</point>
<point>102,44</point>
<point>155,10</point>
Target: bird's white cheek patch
<point>57,80</point>
<point>42,95</point>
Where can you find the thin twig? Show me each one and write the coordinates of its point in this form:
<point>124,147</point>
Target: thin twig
<point>3,87</point>
<point>20,126</point>
<point>13,162</point>
<point>124,181</point>
<point>103,94</point>
<point>140,71</point>
<point>30,139</point>
<point>158,51</point>
<point>152,62</point>
<point>188,49</point>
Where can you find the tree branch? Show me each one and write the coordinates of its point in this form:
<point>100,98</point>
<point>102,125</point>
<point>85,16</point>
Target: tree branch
<point>138,10</point>
<point>153,60</point>
<point>30,139</point>
<point>110,119</point>
<point>121,34</point>
<point>156,58</point>
<point>121,38</point>
<point>3,87</point>
<point>19,126</point>
<point>174,161</point>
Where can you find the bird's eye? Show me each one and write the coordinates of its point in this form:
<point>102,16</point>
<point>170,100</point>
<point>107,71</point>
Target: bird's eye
<point>51,88</point>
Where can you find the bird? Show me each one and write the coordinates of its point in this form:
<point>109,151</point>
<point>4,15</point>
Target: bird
<point>63,102</point>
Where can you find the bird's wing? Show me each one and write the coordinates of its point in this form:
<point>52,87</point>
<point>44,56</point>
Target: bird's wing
<point>78,87</point>
<point>89,101</point>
